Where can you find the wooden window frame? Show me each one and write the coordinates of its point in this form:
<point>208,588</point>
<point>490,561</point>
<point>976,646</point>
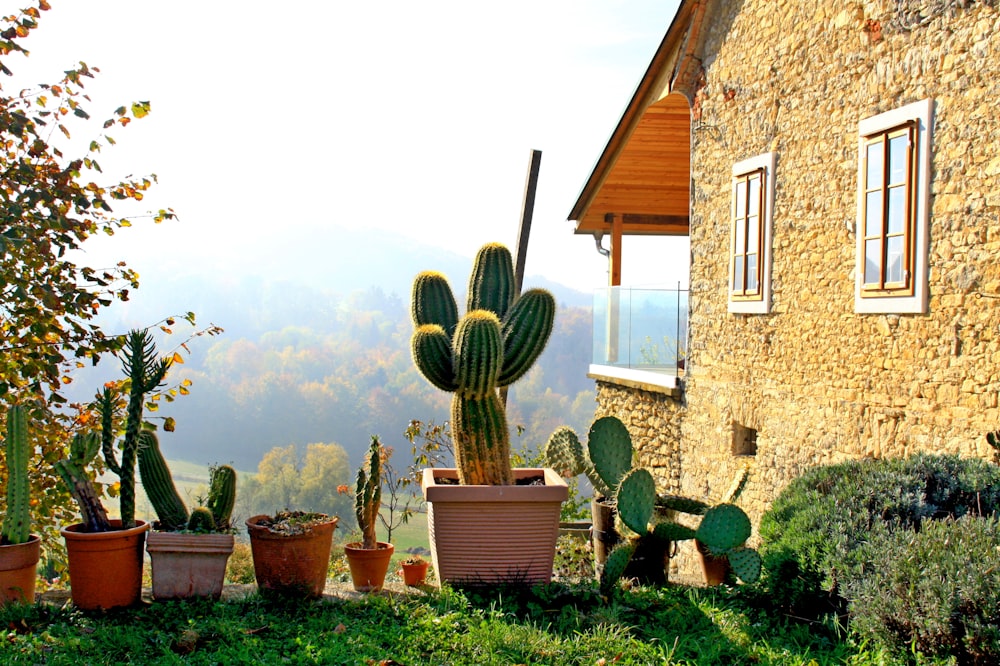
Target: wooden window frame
<point>742,227</point>
<point>743,300</point>
<point>910,293</point>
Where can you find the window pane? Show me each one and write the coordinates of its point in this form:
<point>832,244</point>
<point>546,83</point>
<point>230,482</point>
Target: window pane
<point>894,247</point>
<point>754,199</point>
<point>873,214</point>
<point>738,274</point>
<point>897,209</point>
<point>751,272</point>
<point>753,233</point>
<point>741,198</point>
<point>897,159</point>
<point>740,244</point>
<point>873,261</point>
<point>873,178</point>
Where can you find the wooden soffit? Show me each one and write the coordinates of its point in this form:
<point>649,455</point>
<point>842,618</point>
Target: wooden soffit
<point>644,174</point>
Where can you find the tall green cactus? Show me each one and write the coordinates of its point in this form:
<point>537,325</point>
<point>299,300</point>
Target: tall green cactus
<point>493,345</point>
<point>159,484</point>
<point>17,522</point>
<point>368,494</point>
<point>222,495</point>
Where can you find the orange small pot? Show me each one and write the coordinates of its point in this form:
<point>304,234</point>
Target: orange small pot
<point>294,564</point>
<point>414,574</point>
<point>369,565</point>
<point>18,567</point>
<point>105,568</point>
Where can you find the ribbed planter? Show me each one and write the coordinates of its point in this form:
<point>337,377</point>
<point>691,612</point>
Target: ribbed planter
<point>18,571</point>
<point>368,566</point>
<point>493,534</point>
<point>294,564</point>
<point>188,565</point>
<point>105,568</point>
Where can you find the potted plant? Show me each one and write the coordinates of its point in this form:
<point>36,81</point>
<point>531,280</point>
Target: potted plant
<point>291,551</point>
<point>20,548</point>
<point>414,570</point>
<point>188,551</point>
<point>487,522</point>
<point>105,556</point>
<point>369,558</point>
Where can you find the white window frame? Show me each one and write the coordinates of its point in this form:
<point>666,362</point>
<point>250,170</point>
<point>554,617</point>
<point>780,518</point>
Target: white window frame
<point>915,302</point>
<point>762,305</point>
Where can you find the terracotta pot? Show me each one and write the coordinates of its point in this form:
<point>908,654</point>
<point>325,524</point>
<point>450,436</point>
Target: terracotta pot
<point>415,573</point>
<point>105,568</point>
<point>368,566</point>
<point>716,569</point>
<point>493,534</point>
<point>188,565</point>
<point>291,563</point>
<point>18,571</point>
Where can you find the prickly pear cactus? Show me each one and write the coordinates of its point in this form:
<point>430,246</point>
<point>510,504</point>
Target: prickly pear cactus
<point>610,447</point>
<point>723,528</point>
<point>564,452</point>
<point>494,344</point>
<point>746,564</point>
<point>614,566</point>
<point>636,498</point>
<point>682,504</point>
<point>667,531</point>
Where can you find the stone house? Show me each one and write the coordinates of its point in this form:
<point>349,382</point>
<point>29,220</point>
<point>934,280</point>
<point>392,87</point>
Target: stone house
<point>835,166</point>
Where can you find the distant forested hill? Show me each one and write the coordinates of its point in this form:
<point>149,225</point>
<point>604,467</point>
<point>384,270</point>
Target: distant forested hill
<point>321,354</point>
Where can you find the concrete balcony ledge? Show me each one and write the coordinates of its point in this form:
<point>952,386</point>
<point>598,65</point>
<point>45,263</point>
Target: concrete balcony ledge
<point>645,380</point>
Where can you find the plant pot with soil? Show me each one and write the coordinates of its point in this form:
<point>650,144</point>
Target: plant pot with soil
<point>188,551</point>
<point>369,559</point>
<point>486,527</point>
<point>97,581</point>
<point>291,551</point>
<point>414,570</point>
<point>19,551</point>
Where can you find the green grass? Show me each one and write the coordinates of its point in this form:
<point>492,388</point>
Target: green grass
<point>553,624</point>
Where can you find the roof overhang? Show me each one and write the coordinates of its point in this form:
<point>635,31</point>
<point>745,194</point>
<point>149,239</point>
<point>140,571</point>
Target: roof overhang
<point>644,174</point>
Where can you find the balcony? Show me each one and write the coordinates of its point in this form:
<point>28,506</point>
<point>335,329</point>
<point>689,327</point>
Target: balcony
<point>640,336</point>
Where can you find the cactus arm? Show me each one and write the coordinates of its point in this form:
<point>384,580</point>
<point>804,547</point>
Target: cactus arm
<point>723,528</point>
<point>491,283</point>
<point>682,504</point>
<point>564,452</point>
<point>222,495</point>
<point>92,513</point>
<point>433,302</point>
<point>614,566</point>
<point>431,349</point>
<point>106,408</point>
<point>636,500</point>
<point>17,522</point>
<point>526,331</point>
<point>159,485</point>
<point>667,531</point>
<point>746,564</point>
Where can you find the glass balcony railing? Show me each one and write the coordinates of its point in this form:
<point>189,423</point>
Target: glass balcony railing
<point>641,329</point>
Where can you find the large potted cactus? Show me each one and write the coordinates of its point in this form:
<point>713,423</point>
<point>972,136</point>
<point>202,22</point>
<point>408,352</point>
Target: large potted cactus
<point>487,522</point>
<point>20,548</point>
<point>105,555</point>
<point>369,558</point>
<point>188,551</point>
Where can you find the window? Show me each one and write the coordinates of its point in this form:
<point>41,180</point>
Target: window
<point>750,240</point>
<point>744,440</point>
<point>892,226</point>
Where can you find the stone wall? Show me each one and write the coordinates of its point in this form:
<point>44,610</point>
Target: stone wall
<point>818,382</point>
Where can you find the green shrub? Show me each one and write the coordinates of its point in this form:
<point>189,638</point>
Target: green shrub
<point>935,592</point>
<point>810,536</point>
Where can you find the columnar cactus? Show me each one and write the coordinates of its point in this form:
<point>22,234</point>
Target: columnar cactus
<point>83,449</point>
<point>17,522</point>
<point>493,345</point>
<point>170,509</point>
<point>368,495</point>
<point>145,372</point>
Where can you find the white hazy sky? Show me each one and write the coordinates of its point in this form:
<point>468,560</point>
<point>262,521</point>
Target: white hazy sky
<point>398,116</point>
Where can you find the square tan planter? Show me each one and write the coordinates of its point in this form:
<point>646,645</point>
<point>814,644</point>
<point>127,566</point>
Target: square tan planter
<point>493,534</point>
<point>188,565</point>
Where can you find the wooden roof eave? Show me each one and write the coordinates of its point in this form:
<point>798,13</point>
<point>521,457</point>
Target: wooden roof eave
<point>668,63</point>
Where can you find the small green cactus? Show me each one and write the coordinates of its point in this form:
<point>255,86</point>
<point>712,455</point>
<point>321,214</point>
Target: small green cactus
<point>222,495</point>
<point>368,494</point>
<point>493,345</point>
<point>201,520</point>
<point>17,522</point>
